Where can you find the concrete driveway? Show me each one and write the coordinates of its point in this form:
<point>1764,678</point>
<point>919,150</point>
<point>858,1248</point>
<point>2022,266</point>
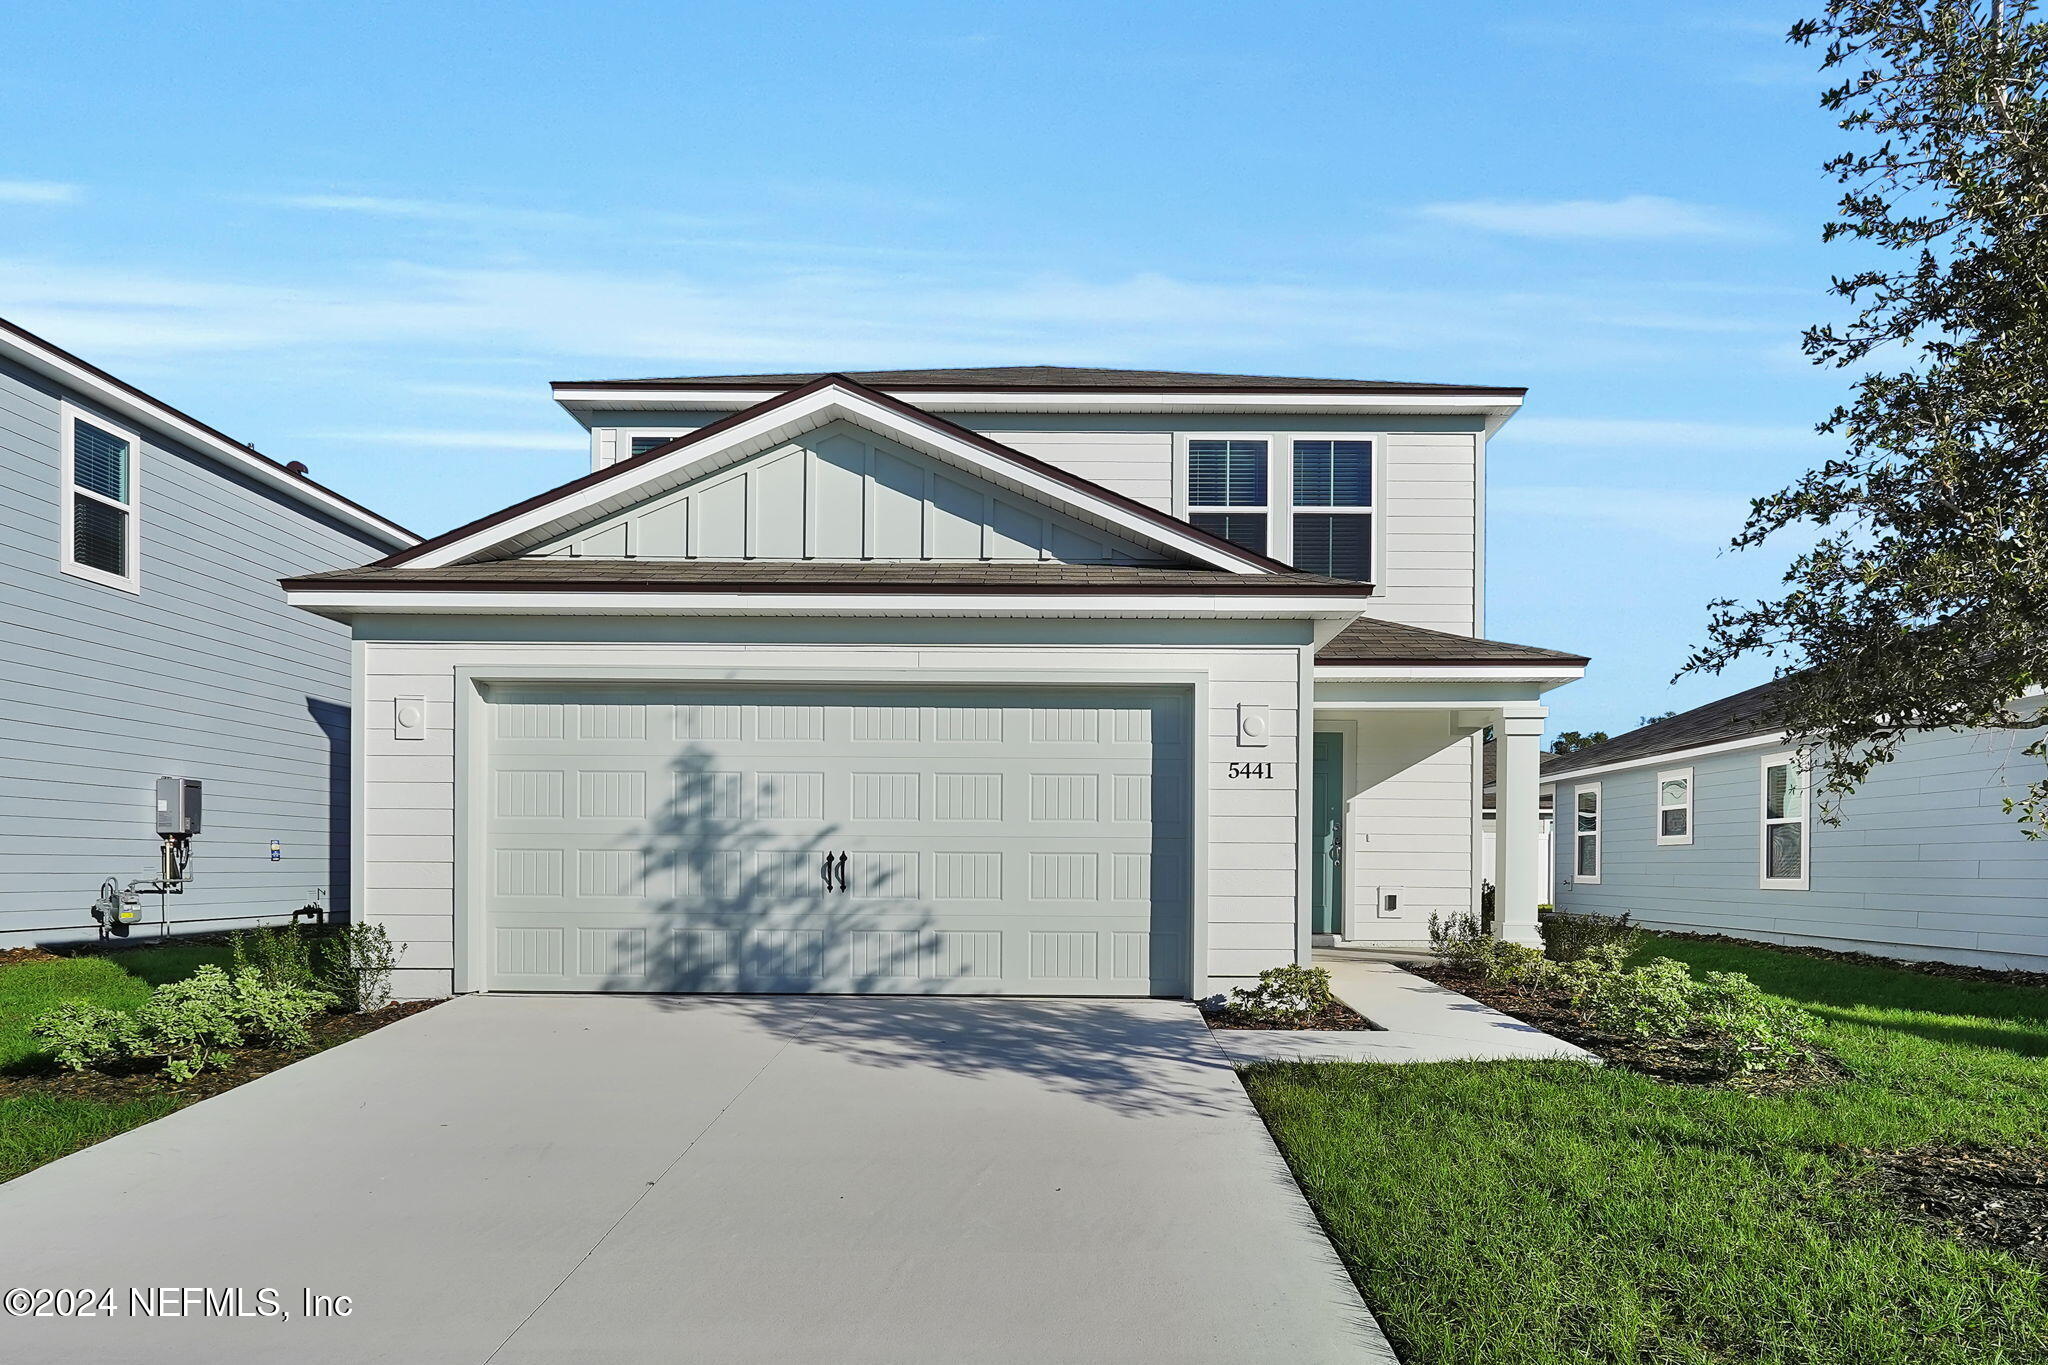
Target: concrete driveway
<point>518,1178</point>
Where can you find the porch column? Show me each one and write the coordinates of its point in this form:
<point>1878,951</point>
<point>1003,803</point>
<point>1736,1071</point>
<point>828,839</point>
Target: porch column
<point>1517,885</point>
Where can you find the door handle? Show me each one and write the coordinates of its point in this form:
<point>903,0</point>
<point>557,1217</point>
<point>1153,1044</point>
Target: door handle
<point>825,870</point>
<point>842,871</point>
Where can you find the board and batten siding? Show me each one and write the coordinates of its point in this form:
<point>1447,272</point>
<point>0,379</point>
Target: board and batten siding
<point>206,673</point>
<point>1431,468</point>
<point>1412,827</point>
<point>1252,832</point>
<point>1925,863</point>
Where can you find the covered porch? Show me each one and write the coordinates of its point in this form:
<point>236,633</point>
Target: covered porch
<point>1395,814</point>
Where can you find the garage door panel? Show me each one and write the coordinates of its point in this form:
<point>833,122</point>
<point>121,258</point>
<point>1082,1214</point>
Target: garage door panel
<point>675,839</point>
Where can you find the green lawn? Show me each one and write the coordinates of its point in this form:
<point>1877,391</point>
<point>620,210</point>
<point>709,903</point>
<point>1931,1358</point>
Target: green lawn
<point>38,1128</point>
<point>1510,1213</point>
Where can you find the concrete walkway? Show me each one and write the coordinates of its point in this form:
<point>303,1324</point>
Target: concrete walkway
<point>635,1178</point>
<point>1422,1022</point>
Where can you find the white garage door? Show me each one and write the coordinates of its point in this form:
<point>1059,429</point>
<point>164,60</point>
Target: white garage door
<point>744,838</point>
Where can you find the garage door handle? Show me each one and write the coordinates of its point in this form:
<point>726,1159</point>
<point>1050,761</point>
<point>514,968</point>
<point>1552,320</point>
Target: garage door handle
<point>825,871</point>
<point>842,872</point>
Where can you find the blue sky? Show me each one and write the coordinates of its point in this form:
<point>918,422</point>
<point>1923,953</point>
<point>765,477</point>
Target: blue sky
<point>366,236</point>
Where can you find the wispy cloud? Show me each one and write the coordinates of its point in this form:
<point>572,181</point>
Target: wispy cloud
<point>423,210</point>
<point>453,439</point>
<point>1655,434</point>
<point>38,192</point>
<point>1635,217</point>
<point>1695,518</point>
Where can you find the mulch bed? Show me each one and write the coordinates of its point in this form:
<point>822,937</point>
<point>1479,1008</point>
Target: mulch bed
<point>10,956</point>
<point>1672,1060</point>
<point>115,1087</point>
<point>1986,1196</point>
<point>1337,1016</point>
<point>1999,976</point>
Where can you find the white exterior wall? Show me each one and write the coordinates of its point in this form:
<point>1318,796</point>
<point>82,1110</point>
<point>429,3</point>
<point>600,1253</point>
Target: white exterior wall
<point>1412,828</point>
<point>1247,874</point>
<point>1925,863</point>
<point>1428,522</point>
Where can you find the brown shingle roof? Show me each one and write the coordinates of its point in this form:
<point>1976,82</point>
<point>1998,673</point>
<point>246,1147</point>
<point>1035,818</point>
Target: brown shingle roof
<point>1369,640</point>
<point>1741,716</point>
<point>643,575</point>
<point>1052,377</point>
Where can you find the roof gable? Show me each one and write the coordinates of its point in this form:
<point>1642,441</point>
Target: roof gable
<point>842,493</point>
<point>547,517</point>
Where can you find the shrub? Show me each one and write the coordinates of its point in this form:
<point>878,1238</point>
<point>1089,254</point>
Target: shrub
<point>1725,1013</point>
<point>1284,992</point>
<point>1569,938</point>
<point>355,964</point>
<point>188,1025</point>
<point>281,956</point>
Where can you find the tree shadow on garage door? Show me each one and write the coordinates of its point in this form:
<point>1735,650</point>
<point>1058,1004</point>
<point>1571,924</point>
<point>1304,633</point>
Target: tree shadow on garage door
<point>734,866</point>
<point>745,887</point>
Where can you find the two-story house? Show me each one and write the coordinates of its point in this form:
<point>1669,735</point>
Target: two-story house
<point>1025,680</point>
<point>143,636</point>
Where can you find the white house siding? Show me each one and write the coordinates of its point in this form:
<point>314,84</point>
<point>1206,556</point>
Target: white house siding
<point>206,673</point>
<point>1428,520</point>
<point>1412,829</point>
<point>1924,865</point>
<point>408,844</point>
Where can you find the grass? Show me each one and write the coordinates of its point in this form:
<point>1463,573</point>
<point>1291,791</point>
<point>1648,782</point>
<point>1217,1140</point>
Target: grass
<point>36,1128</point>
<point>1537,1213</point>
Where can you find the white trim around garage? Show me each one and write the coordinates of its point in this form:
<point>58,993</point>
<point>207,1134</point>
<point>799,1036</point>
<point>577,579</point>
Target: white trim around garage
<point>472,765</point>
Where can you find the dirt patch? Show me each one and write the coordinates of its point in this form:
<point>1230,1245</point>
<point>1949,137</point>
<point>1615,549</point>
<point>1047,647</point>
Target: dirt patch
<point>1336,1016</point>
<point>10,956</point>
<point>1675,1060</point>
<point>2000,976</point>
<point>245,1065</point>
<point>1994,1197</point>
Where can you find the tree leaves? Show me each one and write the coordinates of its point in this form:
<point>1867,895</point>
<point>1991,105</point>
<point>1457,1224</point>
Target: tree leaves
<point>1921,603</point>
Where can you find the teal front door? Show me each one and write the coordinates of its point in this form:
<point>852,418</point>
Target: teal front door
<point>1326,802</point>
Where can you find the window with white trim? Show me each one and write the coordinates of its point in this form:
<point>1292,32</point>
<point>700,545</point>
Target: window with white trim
<point>643,442</point>
<point>1783,854</point>
<point>1674,806</point>
<point>1332,510</point>
<point>1586,834</point>
<point>1315,510</point>
<point>101,532</point>
<point>1229,484</point>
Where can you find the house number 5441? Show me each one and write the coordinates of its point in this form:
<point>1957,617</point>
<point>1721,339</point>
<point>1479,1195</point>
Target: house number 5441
<point>1251,772</point>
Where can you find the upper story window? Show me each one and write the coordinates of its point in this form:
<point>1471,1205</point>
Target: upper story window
<point>1306,499</point>
<point>1229,490</point>
<point>642,444</point>
<point>1674,806</point>
<point>1783,855</point>
<point>1335,479</point>
<point>100,522</point>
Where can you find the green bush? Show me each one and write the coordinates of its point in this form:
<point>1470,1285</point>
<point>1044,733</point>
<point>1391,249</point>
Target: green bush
<point>356,961</point>
<point>1569,938</point>
<point>351,962</point>
<point>282,956</point>
<point>1725,1013</point>
<point>1284,992</point>
<point>188,1024</point>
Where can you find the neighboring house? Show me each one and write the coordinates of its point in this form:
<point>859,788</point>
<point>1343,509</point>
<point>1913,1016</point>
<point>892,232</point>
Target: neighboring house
<point>1705,822</point>
<point>143,635</point>
<point>1024,680</point>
